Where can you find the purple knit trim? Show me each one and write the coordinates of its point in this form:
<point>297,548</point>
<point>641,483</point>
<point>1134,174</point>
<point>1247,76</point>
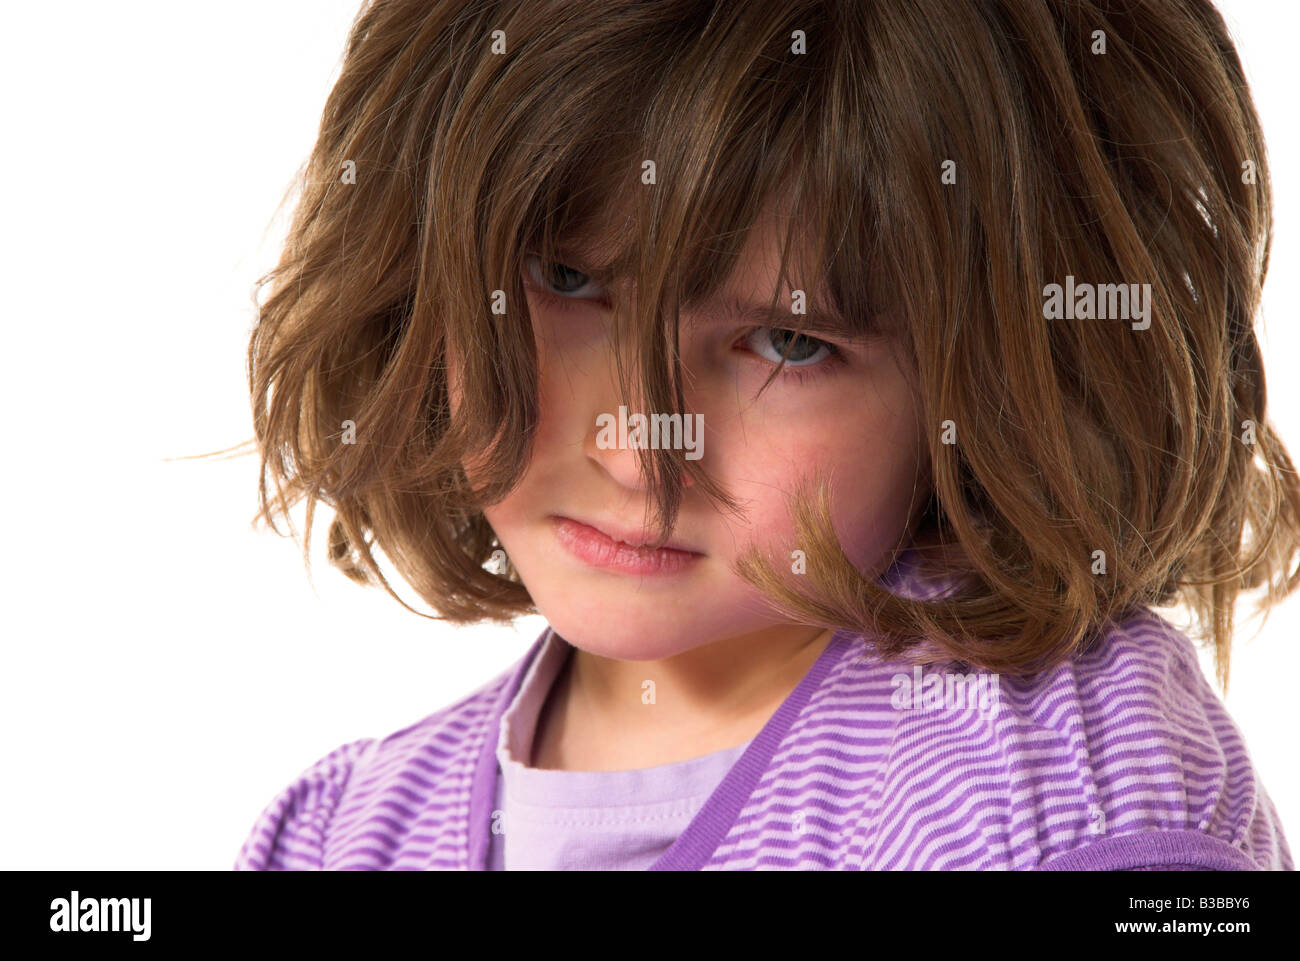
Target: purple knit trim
<point>1166,849</point>
<point>696,844</point>
<point>1166,867</point>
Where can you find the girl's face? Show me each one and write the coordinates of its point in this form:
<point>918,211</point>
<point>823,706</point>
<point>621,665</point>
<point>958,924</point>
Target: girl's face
<point>845,409</point>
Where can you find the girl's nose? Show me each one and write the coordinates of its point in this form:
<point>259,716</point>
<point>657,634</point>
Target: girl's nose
<point>611,439</point>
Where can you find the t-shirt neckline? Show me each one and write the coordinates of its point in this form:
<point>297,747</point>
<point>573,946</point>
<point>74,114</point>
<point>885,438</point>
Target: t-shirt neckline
<point>695,845</point>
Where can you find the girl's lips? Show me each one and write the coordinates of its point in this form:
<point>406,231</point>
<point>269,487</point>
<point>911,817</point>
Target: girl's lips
<point>595,548</point>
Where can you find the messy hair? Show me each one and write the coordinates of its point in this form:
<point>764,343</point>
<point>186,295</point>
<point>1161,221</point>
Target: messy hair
<point>948,161</point>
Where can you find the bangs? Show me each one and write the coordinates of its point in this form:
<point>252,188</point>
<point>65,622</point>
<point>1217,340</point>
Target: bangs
<point>654,188</point>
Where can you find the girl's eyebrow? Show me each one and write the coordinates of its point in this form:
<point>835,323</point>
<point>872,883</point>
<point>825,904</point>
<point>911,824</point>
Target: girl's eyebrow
<point>733,308</point>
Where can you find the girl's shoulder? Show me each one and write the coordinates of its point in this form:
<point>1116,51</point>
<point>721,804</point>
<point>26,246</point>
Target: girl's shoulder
<point>1153,748</point>
<point>347,809</point>
<point>1123,757</point>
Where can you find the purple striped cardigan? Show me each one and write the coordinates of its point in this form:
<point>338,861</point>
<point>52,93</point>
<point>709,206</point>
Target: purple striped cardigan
<point>1123,758</point>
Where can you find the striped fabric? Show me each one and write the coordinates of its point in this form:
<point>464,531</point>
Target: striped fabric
<point>1124,758</point>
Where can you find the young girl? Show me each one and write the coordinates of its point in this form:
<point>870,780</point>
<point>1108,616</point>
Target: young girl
<point>845,383</point>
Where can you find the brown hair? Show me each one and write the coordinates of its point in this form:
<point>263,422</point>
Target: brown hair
<point>1140,164</point>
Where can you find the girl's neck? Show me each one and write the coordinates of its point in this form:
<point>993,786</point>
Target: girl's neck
<point>717,696</point>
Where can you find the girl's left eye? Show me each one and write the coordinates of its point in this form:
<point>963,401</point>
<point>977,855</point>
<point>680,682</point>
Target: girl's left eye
<point>806,354</point>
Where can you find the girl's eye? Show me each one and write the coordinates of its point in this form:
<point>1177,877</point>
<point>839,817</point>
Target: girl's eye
<point>564,282</point>
<point>771,343</point>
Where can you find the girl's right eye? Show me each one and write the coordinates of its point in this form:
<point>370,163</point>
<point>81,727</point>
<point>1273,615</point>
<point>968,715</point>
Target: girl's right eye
<point>563,282</point>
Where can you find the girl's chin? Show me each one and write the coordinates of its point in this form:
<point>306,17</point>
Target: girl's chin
<point>613,640</point>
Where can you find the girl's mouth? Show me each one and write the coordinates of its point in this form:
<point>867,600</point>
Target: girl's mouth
<point>598,549</point>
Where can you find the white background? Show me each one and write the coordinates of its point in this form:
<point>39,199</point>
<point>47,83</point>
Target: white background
<point>166,670</point>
